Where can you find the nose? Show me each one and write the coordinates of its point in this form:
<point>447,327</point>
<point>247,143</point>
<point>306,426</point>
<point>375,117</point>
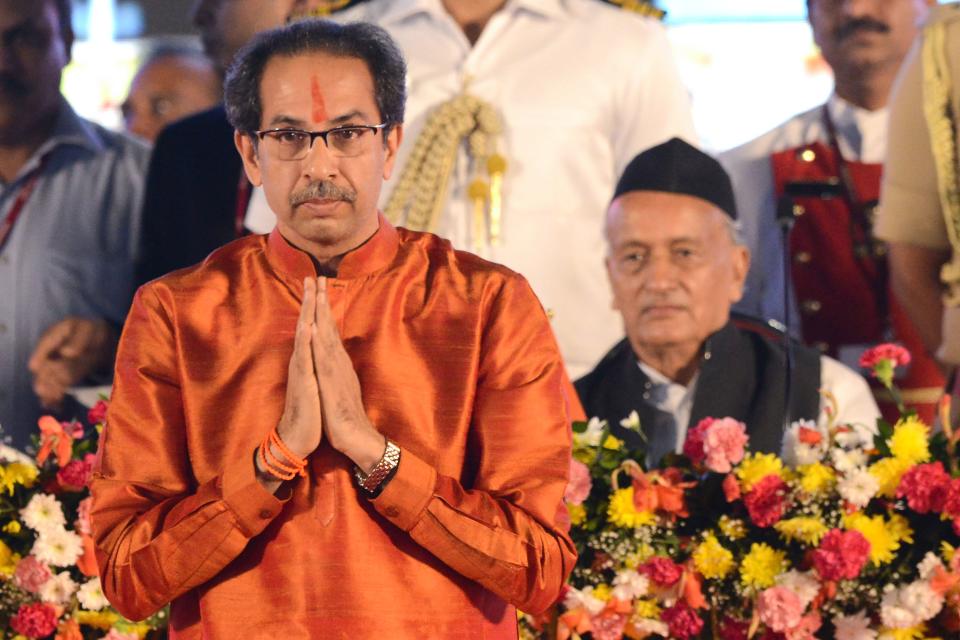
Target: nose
<point>320,163</point>
<point>859,8</point>
<point>660,275</point>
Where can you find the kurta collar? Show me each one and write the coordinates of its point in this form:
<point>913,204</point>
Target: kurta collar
<point>865,131</point>
<point>373,255</point>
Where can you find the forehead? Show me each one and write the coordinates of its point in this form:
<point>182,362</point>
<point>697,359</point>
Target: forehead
<point>17,12</point>
<point>651,217</point>
<point>293,85</point>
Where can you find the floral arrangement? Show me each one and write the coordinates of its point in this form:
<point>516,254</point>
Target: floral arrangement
<point>48,573</point>
<point>852,533</point>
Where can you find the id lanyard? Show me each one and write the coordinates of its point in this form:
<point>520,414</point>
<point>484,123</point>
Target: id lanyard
<point>6,227</point>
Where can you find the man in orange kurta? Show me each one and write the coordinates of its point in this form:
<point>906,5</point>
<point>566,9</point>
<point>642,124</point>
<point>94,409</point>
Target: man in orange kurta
<point>401,346</point>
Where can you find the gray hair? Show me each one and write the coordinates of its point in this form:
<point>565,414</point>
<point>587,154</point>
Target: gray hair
<point>360,40</point>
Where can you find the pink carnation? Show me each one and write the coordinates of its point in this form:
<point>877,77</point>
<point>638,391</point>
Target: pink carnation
<point>805,630</point>
<point>35,620</point>
<point>765,502</point>
<point>76,474</point>
<point>693,445</point>
<point>723,444</point>
<point>951,506</point>
<point>841,555</point>
<point>887,351</point>
<point>82,525</point>
<point>683,622</point>
<point>607,626</point>
<point>97,413</point>
<point>663,571</point>
<point>926,487</point>
<point>31,574</point>
<point>780,608</point>
<point>578,488</point>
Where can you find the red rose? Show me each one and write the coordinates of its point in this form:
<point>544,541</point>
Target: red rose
<point>693,445</point>
<point>927,487</point>
<point>841,555</point>
<point>765,502</point>
<point>663,571</point>
<point>97,413</point>
<point>35,620</point>
<point>684,623</point>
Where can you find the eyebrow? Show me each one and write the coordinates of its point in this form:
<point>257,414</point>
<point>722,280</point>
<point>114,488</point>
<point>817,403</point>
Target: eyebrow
<point>290,121</point>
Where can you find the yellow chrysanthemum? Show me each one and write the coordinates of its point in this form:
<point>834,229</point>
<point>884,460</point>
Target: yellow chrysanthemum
<point>13,527</point>
<point>910,633</point>
<point>8,560</point>
<point>712,559</point>
<point>888,472</point>
<point>602,592</point>
<point>578,513</point>
<point>643,608</point>
<point>612,443</point>
<point>97,619</point>
<point>899,528</point>
<point>809,531</point>
<point>910,441</point>
<point>816,478</point>
<point>17,473</point>
<point>733,528</point>
<point>623,513</point>
<point>757,466</point>
<point>947,550</point>
<point>883,543</point>
<point>761,566</point>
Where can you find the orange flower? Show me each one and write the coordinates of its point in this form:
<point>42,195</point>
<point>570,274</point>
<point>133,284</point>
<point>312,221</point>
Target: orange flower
<point>573,621</point>
<point>661,491</point>
<point>55,439</point>
<point>69,630</point>
<point>692,592</point>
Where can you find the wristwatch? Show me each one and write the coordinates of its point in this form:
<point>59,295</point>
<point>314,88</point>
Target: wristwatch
<point>373,483</point>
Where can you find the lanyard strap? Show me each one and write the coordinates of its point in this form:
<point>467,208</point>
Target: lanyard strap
<point>861,228</point>
<point>30,183</point>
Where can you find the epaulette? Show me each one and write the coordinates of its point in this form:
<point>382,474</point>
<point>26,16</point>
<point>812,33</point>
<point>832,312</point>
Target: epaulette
<point>643,7</point>
<point>325,8</point>
<point>943,13</point>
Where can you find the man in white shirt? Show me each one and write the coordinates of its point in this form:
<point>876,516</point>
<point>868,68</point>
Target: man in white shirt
<point>820,171</point>
<point>676,265</point>
<point>567,92</point>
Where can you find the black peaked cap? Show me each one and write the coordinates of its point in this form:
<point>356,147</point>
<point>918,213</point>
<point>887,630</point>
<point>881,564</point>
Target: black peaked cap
<point>678,167</point>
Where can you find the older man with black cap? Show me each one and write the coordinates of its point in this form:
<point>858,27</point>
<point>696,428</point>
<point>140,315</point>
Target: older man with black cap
<point>676,265</point>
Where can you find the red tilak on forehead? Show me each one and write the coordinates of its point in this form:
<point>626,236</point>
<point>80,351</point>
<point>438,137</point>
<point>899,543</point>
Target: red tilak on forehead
<point>319,106</point>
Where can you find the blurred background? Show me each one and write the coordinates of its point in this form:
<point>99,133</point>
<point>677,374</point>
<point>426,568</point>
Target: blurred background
<point>749,64</point>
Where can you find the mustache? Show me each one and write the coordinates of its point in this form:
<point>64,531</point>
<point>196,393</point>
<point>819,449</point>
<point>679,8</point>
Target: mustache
<point>12,85</point>
<point>322,190</point>
<point>867,24</point>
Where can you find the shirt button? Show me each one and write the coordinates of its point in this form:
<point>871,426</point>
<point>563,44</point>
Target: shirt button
<point>392,512</point>
<point>266,514</point>
<point>810,307</point>
<point>803,257</point>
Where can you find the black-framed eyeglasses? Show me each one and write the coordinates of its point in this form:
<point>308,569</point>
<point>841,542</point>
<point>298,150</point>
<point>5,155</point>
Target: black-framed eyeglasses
<point>344,142</point>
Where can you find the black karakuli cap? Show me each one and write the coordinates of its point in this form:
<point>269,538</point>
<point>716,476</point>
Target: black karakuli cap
<point>678,167</point>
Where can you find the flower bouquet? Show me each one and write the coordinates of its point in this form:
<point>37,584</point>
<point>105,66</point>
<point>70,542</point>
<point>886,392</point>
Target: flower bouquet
<point>850,534</point>
<point>48,573</point>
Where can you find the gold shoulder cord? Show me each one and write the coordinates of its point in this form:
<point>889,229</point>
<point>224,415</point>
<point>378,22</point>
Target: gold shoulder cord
<point>325,9</point>
<point>418,199</point>
<point>642,7</point>
<point>939,115</point>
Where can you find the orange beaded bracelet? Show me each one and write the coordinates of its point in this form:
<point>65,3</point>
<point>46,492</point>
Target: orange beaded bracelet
<point>285,468</point>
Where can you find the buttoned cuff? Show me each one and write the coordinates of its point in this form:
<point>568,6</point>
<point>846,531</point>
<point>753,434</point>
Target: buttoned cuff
<point>253,506</point>
<point>405,498</point>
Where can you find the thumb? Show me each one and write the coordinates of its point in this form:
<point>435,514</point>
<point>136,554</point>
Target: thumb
<point>50,342</point>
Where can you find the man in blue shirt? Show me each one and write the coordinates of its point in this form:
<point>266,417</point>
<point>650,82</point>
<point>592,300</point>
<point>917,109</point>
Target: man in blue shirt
<point>70,196</point>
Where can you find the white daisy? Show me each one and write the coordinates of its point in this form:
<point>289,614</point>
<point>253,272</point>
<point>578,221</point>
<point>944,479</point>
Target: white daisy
<point>920,598</point>
<point>927,566</point>
<point>858,486</point>
<point>853,627</point>
<point>576,599</point>
<point>895,613</point>
<point>91,595</point>
<point>58,589</point>
<point>58,547</point>
<point>796,452</point>
<point>845,461</point>
<point>802,583</point>
<point>590,437</point>
<point>43,513</point>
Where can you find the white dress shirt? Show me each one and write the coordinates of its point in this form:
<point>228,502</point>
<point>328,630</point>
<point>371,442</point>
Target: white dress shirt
<point>862,136</point>
<point>581,87</point>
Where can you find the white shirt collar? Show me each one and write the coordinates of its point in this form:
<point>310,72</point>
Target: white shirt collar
<point>400,10</point>
<point>863,131</point>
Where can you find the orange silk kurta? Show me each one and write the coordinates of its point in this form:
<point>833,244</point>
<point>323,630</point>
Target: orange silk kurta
<point>457,364</point>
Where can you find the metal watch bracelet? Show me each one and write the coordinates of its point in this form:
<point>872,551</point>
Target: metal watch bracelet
<point>388,462</point>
